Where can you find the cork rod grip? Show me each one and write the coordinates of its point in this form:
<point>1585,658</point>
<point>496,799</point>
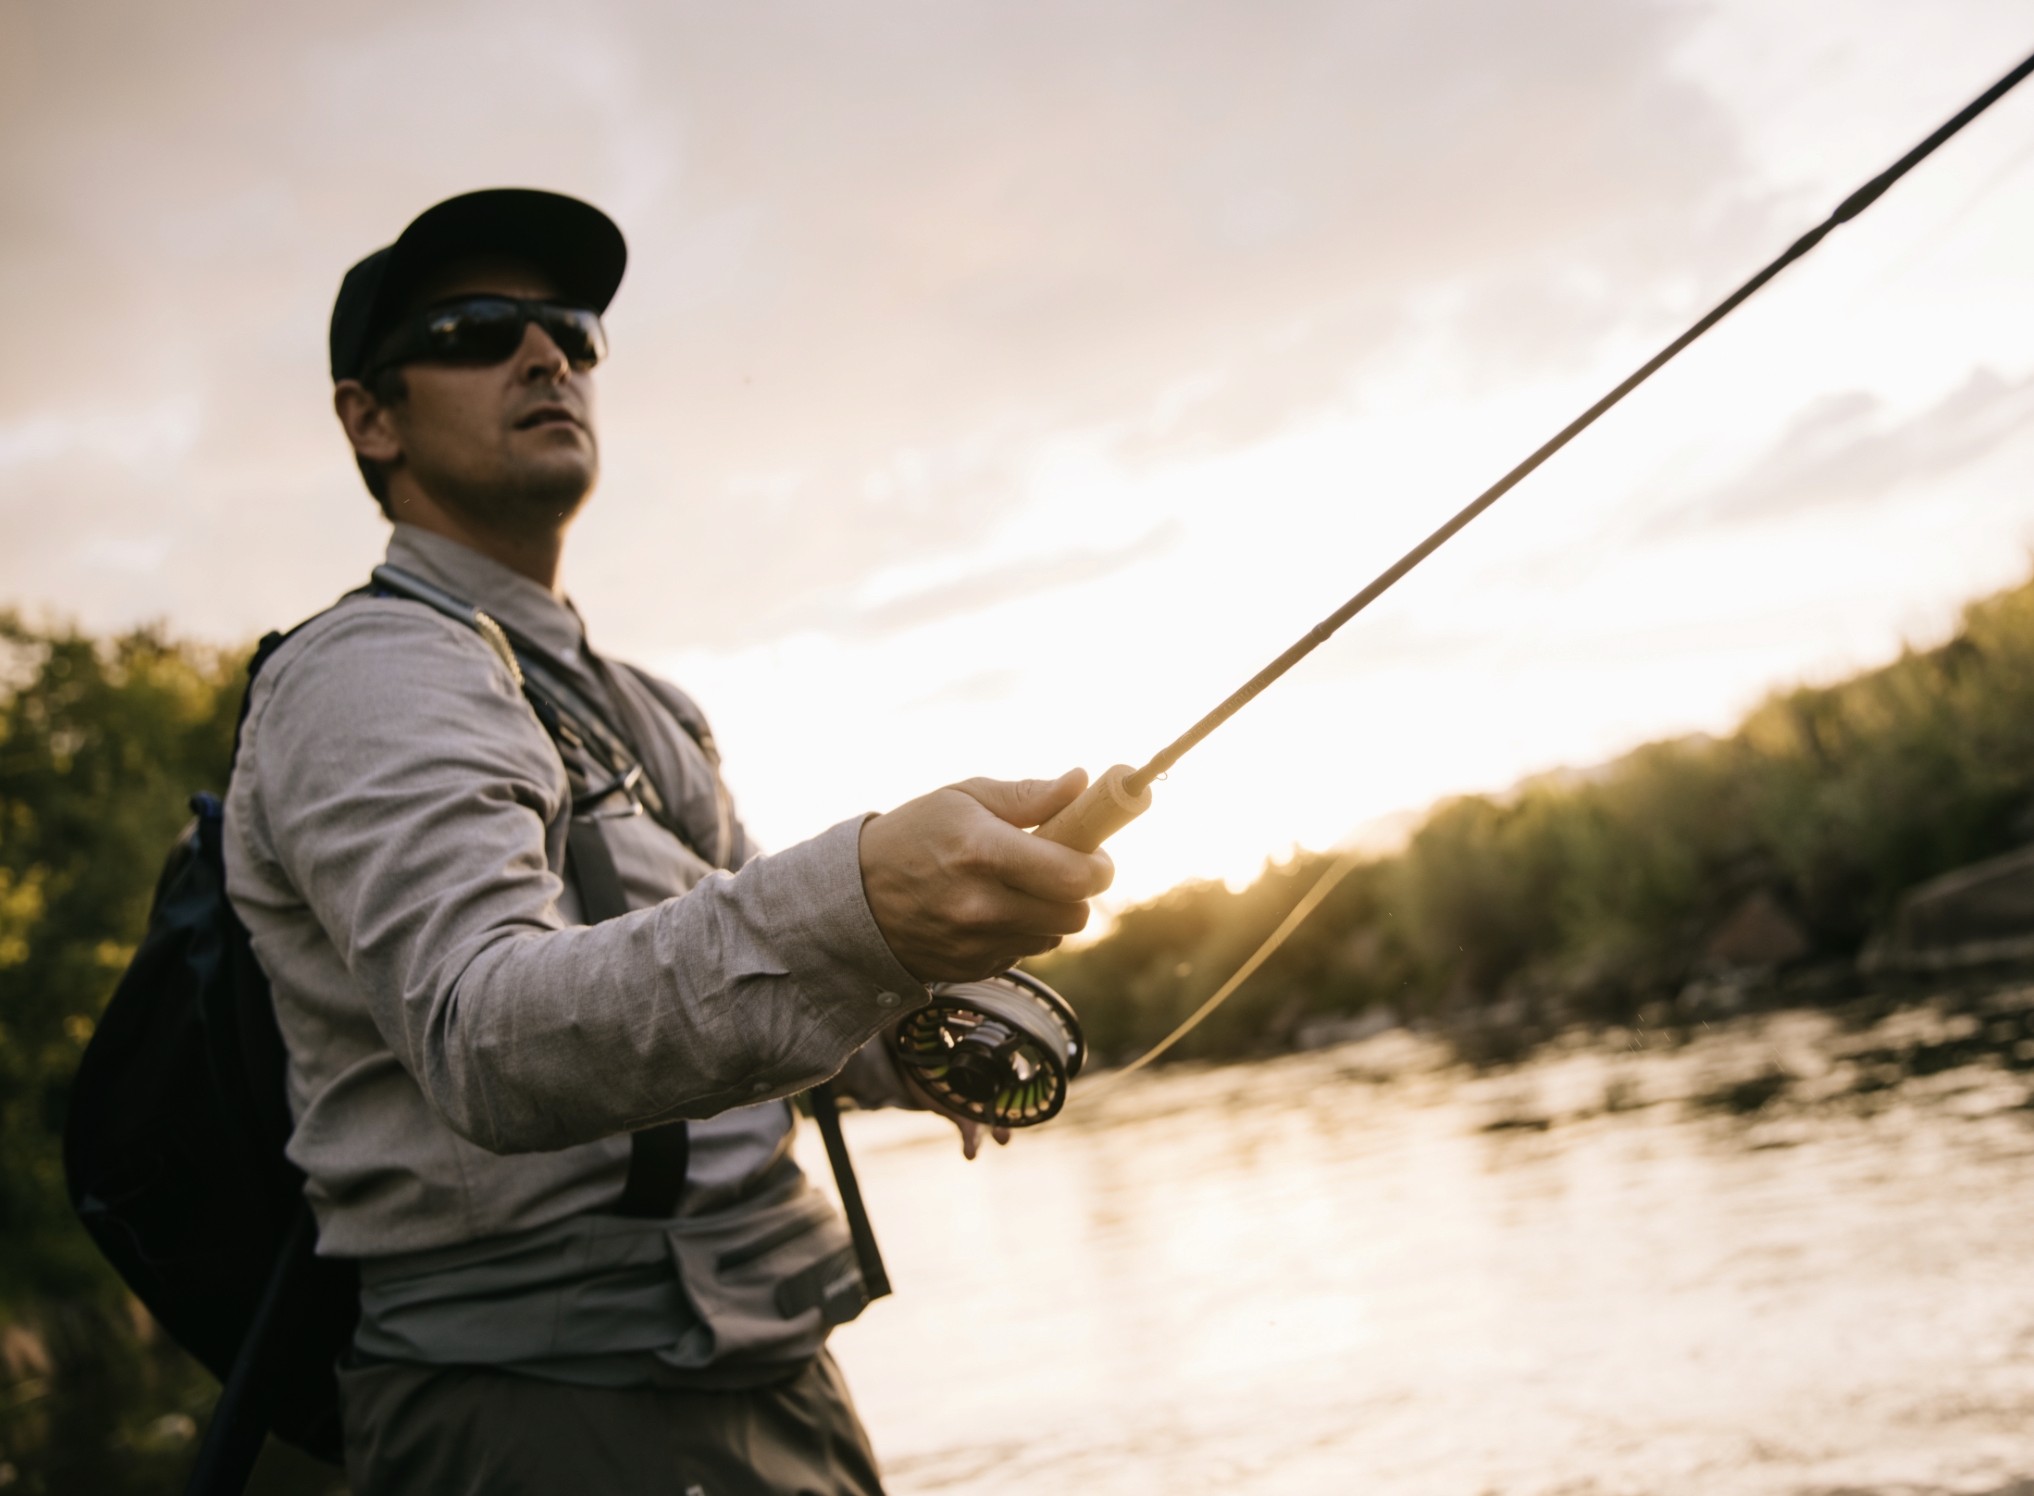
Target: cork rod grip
<point>1104,808</point>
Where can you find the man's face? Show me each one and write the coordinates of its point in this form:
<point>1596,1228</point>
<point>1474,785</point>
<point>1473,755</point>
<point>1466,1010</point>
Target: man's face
<point>508,445</point>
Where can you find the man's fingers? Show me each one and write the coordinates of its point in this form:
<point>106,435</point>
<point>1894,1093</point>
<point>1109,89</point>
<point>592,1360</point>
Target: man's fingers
<point>959,891</point>
<point>971,1137</point>
<point>1028,863</point>
<point>1023,916</point>
<point>983,959</point>
<point>1027,802</point>
<point>1046,870</point>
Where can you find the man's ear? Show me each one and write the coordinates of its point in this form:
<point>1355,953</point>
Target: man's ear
<point>366,421</point>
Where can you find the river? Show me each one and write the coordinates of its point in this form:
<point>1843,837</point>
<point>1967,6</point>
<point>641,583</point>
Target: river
<point>1749,1262</point>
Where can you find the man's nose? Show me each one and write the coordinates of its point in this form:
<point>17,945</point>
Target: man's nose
<point>541,358</point>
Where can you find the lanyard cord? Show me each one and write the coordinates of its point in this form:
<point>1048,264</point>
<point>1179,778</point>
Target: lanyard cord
<point>1849,208</point>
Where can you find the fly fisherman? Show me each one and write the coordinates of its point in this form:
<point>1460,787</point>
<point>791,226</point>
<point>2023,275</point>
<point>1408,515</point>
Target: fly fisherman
<point>560,1291</point>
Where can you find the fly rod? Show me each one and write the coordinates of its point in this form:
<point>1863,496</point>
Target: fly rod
<point>1003,1051</point>
<point>1122,794</point>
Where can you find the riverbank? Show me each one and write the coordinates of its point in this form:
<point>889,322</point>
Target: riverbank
<point>1762,1055</point>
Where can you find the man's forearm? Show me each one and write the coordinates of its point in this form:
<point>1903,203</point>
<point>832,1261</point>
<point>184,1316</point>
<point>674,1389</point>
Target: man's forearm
<point>752,985</point>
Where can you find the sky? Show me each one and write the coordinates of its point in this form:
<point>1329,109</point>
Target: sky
<point>994,387</point>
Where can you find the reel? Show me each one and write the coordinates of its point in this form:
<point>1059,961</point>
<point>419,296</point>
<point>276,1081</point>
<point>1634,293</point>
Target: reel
<point>1000,1052</point>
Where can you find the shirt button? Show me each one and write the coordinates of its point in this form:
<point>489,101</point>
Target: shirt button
<point>759,1088</point>
<point>887,999</point>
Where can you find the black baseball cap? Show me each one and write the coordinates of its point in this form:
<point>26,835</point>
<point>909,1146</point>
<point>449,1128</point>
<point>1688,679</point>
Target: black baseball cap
<point>573,243</point>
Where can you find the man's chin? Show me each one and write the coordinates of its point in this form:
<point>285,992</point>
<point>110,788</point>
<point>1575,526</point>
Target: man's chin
<point>553,496</point>
<point>535,498</point>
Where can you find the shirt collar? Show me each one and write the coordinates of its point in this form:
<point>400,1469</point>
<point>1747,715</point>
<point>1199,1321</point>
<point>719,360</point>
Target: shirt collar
<point>523,607</point>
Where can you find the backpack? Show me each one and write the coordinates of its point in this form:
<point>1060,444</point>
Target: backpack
<point>174,1144</point>
<point>173,1150</point>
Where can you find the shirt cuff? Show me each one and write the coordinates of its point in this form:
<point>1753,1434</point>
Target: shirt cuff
<point>872,1079</point>
<point>854,982</point>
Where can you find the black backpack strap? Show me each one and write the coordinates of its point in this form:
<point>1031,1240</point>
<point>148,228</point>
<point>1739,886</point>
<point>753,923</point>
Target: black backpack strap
<point>243,1415</point>
<point>657,1155</point>
<point>582,730</point>
<point>658,1158</point>
<point>682,709</point>
<point>271,641</point>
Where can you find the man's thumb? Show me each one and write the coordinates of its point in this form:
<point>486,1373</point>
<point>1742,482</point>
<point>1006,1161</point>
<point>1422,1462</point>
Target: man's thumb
<point>1027,802</point>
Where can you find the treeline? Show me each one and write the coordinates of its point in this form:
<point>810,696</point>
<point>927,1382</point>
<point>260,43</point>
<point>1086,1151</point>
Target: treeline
<point>101,741</point>
<point>1594,896</point>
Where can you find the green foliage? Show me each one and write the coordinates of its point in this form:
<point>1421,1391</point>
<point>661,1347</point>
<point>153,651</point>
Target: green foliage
<point>101,744</point>
<point>1162,960</point>
<point>1585,895</point>
<point>105,1405</point>
<point>1868,787</point>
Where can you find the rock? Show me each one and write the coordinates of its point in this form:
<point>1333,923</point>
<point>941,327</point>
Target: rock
<point>24,1353</point>
<point>1758,932</point>
<point>1977,915</point>
<point>1321,1033</point>
<point>1720,996</point>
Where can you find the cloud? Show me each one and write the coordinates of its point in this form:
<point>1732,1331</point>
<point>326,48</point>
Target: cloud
<point>1002,584</point>
<point>1848,449</point>
<point>876,262</point>
<point>131,438</point>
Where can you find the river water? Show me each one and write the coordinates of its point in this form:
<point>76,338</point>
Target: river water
<point>1735,1265</point>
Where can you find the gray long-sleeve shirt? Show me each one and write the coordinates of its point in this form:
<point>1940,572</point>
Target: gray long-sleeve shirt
<point>467,1057</point>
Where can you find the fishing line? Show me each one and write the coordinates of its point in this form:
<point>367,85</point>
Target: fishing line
<point>1926,246</point>
<point>1005,1051</point>
<point>1309,902</point>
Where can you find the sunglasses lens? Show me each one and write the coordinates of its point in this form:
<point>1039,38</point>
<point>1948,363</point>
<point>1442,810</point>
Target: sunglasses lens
<point>487,329</point>
<point>576,331</point>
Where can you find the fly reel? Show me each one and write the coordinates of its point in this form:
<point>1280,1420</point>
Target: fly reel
<point>1000,1052</point>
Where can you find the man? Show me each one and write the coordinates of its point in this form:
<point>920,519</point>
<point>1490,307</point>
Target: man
<point>483,1078</point>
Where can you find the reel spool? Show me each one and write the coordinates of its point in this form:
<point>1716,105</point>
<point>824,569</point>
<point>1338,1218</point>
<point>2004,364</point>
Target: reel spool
<point>1000,1052</point>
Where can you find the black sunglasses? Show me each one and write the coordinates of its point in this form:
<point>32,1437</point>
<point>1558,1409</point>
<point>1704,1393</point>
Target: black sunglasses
<point>487,329</point>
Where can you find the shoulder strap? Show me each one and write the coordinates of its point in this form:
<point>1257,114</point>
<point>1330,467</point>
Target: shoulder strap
<point>658,1156</point>
<point>536,666</point>
<point>263,652</point>
<point>575,722</point>
<point>682,708</point>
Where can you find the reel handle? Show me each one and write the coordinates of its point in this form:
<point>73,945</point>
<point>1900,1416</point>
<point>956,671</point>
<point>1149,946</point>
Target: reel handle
<point>1104,808</point>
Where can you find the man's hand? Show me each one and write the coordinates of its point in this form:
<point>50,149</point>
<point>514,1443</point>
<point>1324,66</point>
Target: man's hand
<point>961,893</point>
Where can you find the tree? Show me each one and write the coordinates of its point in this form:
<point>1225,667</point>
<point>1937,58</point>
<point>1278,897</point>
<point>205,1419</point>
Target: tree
<point>101,744</point>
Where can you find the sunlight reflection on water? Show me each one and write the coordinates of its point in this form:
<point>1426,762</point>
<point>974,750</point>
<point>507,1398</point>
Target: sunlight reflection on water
<point>1292,1277</point>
